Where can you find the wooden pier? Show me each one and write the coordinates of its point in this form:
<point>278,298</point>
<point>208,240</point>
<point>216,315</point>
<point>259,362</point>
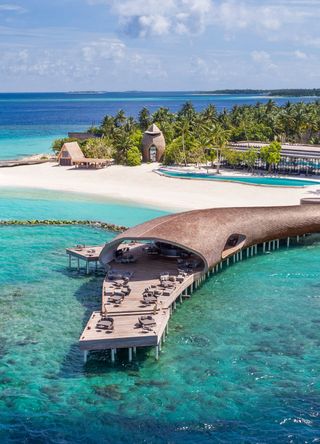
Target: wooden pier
<point>127,333</point>
<point>146,275</point>
<point>84,254</point>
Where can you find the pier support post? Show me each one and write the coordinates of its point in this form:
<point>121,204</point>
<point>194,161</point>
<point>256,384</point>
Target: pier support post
<point>113,355</point>
<point>130,354</point>
<point>228,261</point>
<point>240,255</point>
<point>134,349</point>
<point>70,265</point>
<point>298,239</point>
<point>264,247</point>
<point>221,265</point>
<point>85,356</point>
<point>256,249</point>
<point>288,242</point>
<point>167,328</point>
<point>157,352</point>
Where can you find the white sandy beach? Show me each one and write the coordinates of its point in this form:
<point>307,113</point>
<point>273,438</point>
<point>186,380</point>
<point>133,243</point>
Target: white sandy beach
<point>142,186</point>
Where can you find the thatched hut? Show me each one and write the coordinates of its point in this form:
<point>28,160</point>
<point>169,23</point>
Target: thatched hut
<point>153,144</point>
<point>70,153</point>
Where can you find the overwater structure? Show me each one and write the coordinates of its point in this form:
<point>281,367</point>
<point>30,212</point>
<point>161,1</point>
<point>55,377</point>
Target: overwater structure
<point>151,266</point>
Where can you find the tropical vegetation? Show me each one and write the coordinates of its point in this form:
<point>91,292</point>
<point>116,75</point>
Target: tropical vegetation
<point>200,136</point>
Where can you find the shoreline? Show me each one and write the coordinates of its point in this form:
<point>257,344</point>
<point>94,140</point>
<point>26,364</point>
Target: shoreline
<point>140,185</point>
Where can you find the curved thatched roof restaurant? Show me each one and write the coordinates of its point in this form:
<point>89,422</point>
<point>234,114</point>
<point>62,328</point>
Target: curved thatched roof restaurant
<point>153,265</point>
<point>207,232</point>
<point>153,144</point>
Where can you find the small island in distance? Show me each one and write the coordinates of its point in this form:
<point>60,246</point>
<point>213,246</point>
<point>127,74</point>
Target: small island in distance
<point>300,92</point>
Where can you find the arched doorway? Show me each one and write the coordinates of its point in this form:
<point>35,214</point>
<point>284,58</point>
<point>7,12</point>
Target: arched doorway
<point>153,153</point>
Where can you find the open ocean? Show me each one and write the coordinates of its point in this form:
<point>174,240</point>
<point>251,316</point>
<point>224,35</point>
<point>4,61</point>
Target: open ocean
<point>30,121</point>
<point>241,361</point>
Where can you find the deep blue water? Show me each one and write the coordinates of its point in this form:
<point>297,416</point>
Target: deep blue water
<point>240,364</point>
<point>30,121</point>
<point>253,180</point>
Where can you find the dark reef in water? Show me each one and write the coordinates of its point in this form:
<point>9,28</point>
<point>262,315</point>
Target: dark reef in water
<point>91,223</point>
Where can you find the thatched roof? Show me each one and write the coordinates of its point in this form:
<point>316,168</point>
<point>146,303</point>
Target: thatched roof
<point>73,149</point>
<point>153,130</point>
<point>205,232</point>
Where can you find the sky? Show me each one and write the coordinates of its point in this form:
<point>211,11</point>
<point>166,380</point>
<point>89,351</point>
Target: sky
<point>158,45</point>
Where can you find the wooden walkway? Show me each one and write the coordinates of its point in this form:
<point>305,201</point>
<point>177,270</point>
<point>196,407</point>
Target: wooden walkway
<point>127,332</point>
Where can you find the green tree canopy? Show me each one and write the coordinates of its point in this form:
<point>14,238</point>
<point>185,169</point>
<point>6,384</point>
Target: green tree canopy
<point>133,156</point>
<point>271,154</point>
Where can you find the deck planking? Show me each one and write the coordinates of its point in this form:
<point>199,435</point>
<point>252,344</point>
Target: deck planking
<point>145,272</point>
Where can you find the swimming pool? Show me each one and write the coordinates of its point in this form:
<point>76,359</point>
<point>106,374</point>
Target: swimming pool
<point>251,180</point>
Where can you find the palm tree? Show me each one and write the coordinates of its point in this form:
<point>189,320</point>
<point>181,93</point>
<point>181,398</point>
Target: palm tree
<point>183,127</point>
<point>144,118</point>
<point>217,139</point>
<point>120,118</point>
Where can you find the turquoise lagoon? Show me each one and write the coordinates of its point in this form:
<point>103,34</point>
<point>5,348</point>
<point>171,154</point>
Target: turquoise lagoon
<point>241,362</point>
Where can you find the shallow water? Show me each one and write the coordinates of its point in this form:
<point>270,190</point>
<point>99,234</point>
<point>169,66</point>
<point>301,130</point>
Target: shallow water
<point>240,363</point>
<point>41,204</point>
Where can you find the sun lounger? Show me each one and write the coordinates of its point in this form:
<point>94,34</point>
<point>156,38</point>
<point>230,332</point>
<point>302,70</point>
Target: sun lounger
<point>116,299</point>
<point>149,299</point>
<point>147,321</point>
<point>105,324</point>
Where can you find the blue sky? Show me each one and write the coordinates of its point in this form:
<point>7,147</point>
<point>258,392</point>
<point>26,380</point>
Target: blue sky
<point>116,45</point>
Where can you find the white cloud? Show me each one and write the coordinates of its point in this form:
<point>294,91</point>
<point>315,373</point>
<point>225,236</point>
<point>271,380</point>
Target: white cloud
<point>263,59</point>
<point>141,18</point>
<point>104,49</point>
<point>10,7</point>
<point>300,55</point>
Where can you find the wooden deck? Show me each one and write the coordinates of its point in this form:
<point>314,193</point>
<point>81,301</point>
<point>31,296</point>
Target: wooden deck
<point>144,272</point>
<point>85,254</point>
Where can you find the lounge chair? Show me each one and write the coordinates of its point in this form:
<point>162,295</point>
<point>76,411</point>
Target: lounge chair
<point>105,323</point>
<point>149,299</point>
<point>147,321</point>
<point>116,299</point>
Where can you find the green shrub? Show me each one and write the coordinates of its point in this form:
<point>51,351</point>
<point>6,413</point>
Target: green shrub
<point>133,156</point>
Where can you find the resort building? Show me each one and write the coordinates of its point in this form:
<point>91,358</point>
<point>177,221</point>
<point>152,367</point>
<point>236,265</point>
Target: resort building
<point>72,155</point>
<point>153,144</point>
<point>295,159</point>
<point>151,267</point>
